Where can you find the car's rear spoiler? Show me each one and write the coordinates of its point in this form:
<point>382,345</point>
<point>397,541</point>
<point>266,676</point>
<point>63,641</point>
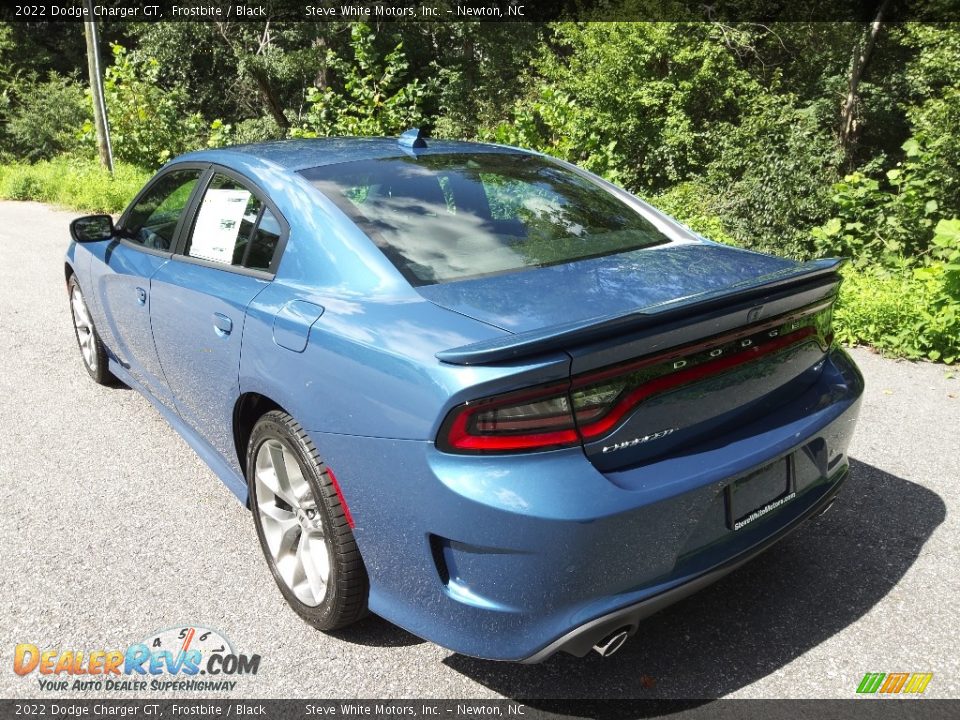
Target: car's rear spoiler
<point>817,278</point>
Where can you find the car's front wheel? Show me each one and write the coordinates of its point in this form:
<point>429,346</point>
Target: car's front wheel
<point>92,349</point>
<point>302,526</point>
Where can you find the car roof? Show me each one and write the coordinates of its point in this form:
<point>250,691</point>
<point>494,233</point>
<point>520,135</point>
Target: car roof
<point>301,153</point>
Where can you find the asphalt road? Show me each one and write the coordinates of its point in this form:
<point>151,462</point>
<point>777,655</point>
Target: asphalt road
<point>114,528</point>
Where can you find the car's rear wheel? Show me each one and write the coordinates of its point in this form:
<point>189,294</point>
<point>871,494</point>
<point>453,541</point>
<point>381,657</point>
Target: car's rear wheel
<point>92,349</point>
<point>302,526</point>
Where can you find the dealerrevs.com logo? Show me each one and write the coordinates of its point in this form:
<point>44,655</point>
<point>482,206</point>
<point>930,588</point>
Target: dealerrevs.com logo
<point>186,658</point>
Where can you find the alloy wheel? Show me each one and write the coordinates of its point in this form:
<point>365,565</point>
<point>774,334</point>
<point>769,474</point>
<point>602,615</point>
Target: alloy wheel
<point>291,521</point>
<point>84,327</point>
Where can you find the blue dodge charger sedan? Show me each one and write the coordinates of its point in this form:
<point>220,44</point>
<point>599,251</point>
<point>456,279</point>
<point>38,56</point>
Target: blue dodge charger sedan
<point>475,390</point>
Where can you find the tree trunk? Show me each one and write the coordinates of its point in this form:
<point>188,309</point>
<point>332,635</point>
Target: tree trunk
<point>322,79</point>
<point>858,64</point>
<point>270,99</point>
<point>258,75</point>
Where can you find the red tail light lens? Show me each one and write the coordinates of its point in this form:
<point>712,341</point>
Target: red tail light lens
<point>592,405</point>
<point>659,375</point>
<point>539,418</point>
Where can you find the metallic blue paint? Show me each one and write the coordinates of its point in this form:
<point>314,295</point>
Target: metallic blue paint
<point>291,325</point>
<point>533,299</point>
<point>190,306</point>
<point>495,556</point>
<point>120,278</point>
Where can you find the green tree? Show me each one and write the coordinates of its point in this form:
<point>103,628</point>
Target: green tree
<point>47,117</point>
<point>664,92</point>
<point>250,74</point>
<point>772,178</point>
<point>372,93</point>
<point>149,123</point>
<point>479,70</point>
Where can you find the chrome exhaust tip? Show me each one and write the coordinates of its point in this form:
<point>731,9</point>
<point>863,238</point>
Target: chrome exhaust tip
<point>610,644</point>
<point>827,508</point>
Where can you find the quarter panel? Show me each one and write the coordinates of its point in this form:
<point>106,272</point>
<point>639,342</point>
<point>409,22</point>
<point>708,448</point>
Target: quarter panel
<point>369,367</point>
<point>78,258</point>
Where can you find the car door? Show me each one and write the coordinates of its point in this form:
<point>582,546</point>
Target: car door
<point>225,257</point>
<point>120,272</point>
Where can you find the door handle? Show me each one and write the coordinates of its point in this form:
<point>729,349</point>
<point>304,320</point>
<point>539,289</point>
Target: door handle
<point>222,325</point>
<point>141,296</point>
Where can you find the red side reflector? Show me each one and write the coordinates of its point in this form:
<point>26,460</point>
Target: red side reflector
<point>343,503</point>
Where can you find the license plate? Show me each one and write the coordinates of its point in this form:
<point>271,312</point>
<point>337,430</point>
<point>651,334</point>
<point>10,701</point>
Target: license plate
<point>752,497</point>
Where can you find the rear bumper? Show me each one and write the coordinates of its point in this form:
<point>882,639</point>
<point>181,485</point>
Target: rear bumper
<point>582,639</point>
<point>517,557</point>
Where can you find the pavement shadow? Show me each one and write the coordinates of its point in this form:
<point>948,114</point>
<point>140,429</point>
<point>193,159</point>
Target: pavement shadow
<point>802,591</point>
<point>374,631</point>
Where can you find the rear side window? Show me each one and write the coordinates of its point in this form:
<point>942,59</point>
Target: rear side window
<point>440,218</point>
<point>233,227</point>
<point>152,222</point>
<point>263,244</point>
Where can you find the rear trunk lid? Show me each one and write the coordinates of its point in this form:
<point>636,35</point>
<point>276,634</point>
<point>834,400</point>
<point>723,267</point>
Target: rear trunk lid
<point>668,345</point>
<point>530,300</point>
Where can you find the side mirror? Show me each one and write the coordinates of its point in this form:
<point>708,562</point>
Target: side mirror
<point>92,228</point>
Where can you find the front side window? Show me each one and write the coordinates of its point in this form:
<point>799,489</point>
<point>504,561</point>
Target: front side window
<point>152,222</point>
<point>233,227</point>
<point>440,218</point>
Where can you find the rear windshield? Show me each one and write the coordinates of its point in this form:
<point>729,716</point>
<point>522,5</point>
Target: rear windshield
<point>440,218</point>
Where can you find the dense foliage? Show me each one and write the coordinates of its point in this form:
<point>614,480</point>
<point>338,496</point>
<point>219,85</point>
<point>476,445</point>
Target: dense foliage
<point>375,97</point>
<point>745,132</point>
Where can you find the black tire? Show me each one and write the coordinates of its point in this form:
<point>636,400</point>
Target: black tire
<point>347,586</point>
<point>96,364</point>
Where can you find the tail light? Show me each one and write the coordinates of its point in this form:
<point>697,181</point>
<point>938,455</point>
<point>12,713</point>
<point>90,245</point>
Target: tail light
<point>532,419</point>
<point>592,405</point>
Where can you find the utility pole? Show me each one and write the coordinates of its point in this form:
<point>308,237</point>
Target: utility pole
<point>96,87</point>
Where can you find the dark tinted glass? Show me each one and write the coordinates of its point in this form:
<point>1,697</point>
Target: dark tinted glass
<point>264,242</point>
<point>450,217</point>
<point>153,220</point>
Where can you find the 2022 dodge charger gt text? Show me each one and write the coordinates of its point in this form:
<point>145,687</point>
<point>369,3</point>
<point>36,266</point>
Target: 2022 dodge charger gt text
<point>485,394</point>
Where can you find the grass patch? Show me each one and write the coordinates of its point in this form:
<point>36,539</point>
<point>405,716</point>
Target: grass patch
<point>75,183</point>
<point>912,312</point>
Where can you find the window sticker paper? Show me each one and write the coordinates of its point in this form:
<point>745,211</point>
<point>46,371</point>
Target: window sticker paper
<point>218,224</point>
